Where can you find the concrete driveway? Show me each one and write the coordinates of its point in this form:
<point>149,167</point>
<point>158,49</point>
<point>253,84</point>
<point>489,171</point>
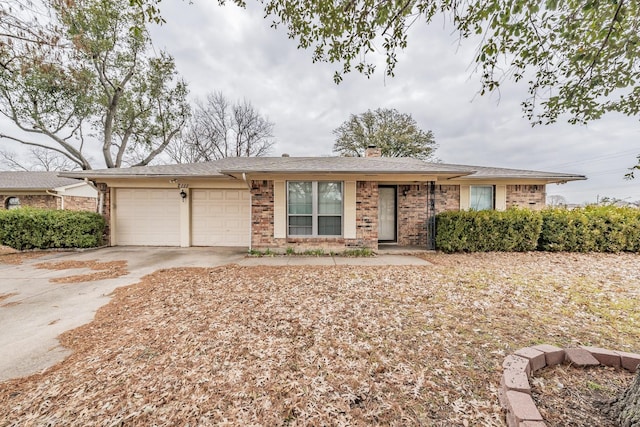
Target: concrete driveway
<point>32,319</point>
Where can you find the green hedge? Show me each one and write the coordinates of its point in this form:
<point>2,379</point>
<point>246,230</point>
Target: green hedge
<point>28,228</point>
<point>590,229</point>
<point>513,230</point>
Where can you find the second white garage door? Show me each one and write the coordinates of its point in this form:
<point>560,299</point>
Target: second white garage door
<point>220,217</point>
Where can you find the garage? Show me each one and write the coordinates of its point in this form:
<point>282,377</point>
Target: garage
<point>220,217</point>
<point>147,217</point>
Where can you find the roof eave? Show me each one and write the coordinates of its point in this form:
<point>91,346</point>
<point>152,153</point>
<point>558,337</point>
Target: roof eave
<point>146,175</point>
<point>550,179</point>
<point>341,172</point>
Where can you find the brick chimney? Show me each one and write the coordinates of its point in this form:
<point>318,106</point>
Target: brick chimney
<point>372,151</point>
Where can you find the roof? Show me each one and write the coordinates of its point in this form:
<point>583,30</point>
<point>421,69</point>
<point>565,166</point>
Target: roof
<point>31,181</point>
<point>490,172</point>
<point>345,165</point>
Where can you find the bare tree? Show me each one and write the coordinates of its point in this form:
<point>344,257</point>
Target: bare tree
<point>556,200</point>
<point>39,159</point>
<point>10,161</point>
<point>220,129</point>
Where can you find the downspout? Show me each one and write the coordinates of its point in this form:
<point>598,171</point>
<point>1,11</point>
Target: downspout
<point>100,194</point>
<point>244,178</point>
<point>57,195</point>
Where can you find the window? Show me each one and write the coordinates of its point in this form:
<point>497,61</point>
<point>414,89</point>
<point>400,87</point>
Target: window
<point>481,197</point>
<point>314,208</point>
<point>12,203</point>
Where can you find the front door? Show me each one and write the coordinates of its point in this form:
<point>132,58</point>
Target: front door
<point>387,214</point>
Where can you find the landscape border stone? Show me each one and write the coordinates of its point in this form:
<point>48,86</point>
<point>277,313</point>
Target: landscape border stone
<point>515,390</point>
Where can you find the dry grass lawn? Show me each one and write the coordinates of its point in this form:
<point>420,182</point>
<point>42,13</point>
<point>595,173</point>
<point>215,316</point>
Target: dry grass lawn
<point>328,345</point>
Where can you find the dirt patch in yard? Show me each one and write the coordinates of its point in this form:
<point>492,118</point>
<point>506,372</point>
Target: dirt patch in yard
<point>338,345</point>
<point>104,270</point>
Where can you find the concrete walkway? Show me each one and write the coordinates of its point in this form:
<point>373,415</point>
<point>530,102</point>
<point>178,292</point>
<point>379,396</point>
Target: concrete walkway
<point>35,311</point>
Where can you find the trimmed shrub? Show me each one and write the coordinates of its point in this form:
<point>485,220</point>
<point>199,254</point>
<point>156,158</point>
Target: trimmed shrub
<point>590,229</point>
<point>513,230</point>
<point>29,228</point>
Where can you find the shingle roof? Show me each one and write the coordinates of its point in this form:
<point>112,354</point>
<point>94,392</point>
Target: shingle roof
<point>27,180</point>
<point>204,169</point>
<point>484,172</point>
<point>378,165</point>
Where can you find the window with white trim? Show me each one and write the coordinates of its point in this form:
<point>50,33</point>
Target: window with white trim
<point>482,197</point>
<point>314,208</point>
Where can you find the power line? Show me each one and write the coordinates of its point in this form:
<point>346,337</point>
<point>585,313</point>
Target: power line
<point>598,158</point>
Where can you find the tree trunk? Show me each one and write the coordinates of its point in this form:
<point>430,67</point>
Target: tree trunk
<point>625,409</point>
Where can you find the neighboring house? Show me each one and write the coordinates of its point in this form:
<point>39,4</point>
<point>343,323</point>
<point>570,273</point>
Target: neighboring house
<point>332,203</point>
<point>45,190</point>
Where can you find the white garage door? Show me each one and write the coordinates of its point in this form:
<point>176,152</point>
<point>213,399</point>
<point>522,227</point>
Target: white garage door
<point>220,217</point>
<point>147,217</point>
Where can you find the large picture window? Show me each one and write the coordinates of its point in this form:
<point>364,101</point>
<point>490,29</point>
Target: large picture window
<point>314,208</point>
<point>481,197</point>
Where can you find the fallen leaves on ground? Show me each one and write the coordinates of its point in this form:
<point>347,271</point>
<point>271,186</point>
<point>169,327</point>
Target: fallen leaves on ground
<point>4,250</point>
<point>17,258</point>
<point>104,270</point>
<point>570,396</point>
<point>340,345</point>
<point>9,295</point>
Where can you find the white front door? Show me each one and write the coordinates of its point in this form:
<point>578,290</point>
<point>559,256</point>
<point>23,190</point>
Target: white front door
<point>387,214</point>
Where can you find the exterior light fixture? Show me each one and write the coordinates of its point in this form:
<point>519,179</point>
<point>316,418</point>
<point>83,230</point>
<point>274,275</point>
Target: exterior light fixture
<point>183,195</point>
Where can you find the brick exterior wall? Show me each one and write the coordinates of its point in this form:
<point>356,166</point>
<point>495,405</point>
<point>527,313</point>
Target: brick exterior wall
<point>74,203</point>
<point>412,215</point>
<point>262,211</point>
<point>44,201</point>
<point>262,215</point>
<point>366,215</point>
<point>447,198</point>
<point>526,196</point>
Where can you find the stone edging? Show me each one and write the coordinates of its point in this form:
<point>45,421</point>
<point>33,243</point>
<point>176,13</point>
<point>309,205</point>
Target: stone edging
<point>515,391</point>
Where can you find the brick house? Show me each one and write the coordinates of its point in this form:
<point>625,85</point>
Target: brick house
<point>331,203</point>
<point>45,190</point>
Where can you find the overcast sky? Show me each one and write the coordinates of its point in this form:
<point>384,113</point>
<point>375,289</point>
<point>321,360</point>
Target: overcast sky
<point>237,52</point>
